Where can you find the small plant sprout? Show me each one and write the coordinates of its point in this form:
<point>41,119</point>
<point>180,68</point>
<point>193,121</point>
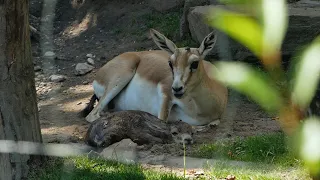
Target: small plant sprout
<point>261,25</point>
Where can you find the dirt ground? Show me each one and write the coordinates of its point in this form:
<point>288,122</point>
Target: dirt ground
<point>105,29</point>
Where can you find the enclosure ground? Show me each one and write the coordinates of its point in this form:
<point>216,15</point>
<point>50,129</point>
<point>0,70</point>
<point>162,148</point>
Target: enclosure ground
<point>105,29</point>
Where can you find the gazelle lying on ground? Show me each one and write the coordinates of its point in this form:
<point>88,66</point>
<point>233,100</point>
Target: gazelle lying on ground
<point>141,127</point>
<point>172,83</point>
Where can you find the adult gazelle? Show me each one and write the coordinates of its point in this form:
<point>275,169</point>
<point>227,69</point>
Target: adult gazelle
<point>172,83</point>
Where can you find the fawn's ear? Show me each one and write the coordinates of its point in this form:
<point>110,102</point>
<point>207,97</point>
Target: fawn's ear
<point>207,44</point>
<point>162,41</point>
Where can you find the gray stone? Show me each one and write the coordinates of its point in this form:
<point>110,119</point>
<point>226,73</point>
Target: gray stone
<point>93,155</point>
<point>57,78</point>
<point>124,151</point>
<point>184,26</point>
<point>37,68</point>
<point>83,68</point>
<point>302,29</point>
<point>49,54</point>
<point>90,56</point>
<point>165,5</point>
<point>90,61</point>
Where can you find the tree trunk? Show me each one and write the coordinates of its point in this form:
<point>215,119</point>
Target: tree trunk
<point>18,107</point>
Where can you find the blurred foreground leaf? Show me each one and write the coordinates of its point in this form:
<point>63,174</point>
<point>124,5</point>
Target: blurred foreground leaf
<point>246,2</point>
<point>307,75</point>
<point>275,22</point>
<point>242,28</point>
<point>308,144</point>
<point>250,82</point>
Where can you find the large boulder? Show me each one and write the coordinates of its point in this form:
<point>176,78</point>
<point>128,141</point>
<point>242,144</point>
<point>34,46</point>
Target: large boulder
<point>184,29</point>
<point>303,28</point>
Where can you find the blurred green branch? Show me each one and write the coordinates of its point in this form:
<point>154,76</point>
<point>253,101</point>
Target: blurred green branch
<point>261,25</point>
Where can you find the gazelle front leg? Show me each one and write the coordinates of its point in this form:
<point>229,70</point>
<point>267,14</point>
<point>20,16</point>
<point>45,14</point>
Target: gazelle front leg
<point>165,108</point>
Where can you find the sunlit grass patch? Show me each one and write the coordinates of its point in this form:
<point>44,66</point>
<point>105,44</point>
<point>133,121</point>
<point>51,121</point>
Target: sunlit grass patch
<point>83,168</point>
<point>267,148</point>
<point>255,171</point>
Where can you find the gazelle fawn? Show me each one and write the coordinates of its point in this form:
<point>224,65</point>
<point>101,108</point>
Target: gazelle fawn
<point>172,83</point>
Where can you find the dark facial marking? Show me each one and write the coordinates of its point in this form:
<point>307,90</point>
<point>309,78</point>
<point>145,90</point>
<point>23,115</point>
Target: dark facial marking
<point>170,64</point>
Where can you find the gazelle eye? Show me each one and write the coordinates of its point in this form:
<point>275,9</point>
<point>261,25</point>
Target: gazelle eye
<point>170,64</point>
<point>194,65</point>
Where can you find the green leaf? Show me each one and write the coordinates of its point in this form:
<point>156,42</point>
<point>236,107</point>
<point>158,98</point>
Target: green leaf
<point>307,144</point>
<point>250,82</point>
<point>242,28</point>
<point>307,75</point>
<point>275,24</point>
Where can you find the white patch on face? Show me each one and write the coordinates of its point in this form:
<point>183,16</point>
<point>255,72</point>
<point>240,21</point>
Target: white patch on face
<point>192,58</point>
<point>173,57</point>
<point>177,82</point>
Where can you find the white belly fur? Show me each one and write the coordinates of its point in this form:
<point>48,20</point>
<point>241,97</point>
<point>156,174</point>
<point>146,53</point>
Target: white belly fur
<point>139,94</point>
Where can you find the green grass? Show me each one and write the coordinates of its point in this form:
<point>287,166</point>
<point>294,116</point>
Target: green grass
<point>262,157</point>
<point>255,171</point>
<point>268,148</point>
<point>167,23</point>
<point>82,168</point>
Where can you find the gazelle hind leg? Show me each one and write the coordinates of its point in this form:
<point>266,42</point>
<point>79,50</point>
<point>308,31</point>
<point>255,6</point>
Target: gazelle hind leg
<point>114,76</point>
<point>114,88</point>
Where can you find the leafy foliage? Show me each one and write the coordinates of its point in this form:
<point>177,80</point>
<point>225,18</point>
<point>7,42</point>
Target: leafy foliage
<point>262,28</point>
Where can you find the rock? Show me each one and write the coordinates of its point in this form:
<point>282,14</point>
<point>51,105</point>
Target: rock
<point>90,56</point>
<point>165,5</point>
<point>83,68</point>
<point>90,61</point>
<point>297,34</point>
<point>184,29</point>
<point>124,151</point>
<point>49,54</point>
<point>37,68</point>
<point>57,78</point>
<point>93,154</point>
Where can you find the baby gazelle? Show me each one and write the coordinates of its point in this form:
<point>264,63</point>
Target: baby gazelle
<point>172,83</point>
<point>141,127</point>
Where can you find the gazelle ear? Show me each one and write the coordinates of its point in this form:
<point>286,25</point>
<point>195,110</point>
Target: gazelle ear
<point>162,42</point>
<point>207,44</point>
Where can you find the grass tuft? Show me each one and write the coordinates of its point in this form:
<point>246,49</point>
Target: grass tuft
<point>82,168</point>
<point>256,171</point>
<point>267,148</point>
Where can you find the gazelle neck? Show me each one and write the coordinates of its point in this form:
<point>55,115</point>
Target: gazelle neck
<point>208,93</point>
<point>202,82</point>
